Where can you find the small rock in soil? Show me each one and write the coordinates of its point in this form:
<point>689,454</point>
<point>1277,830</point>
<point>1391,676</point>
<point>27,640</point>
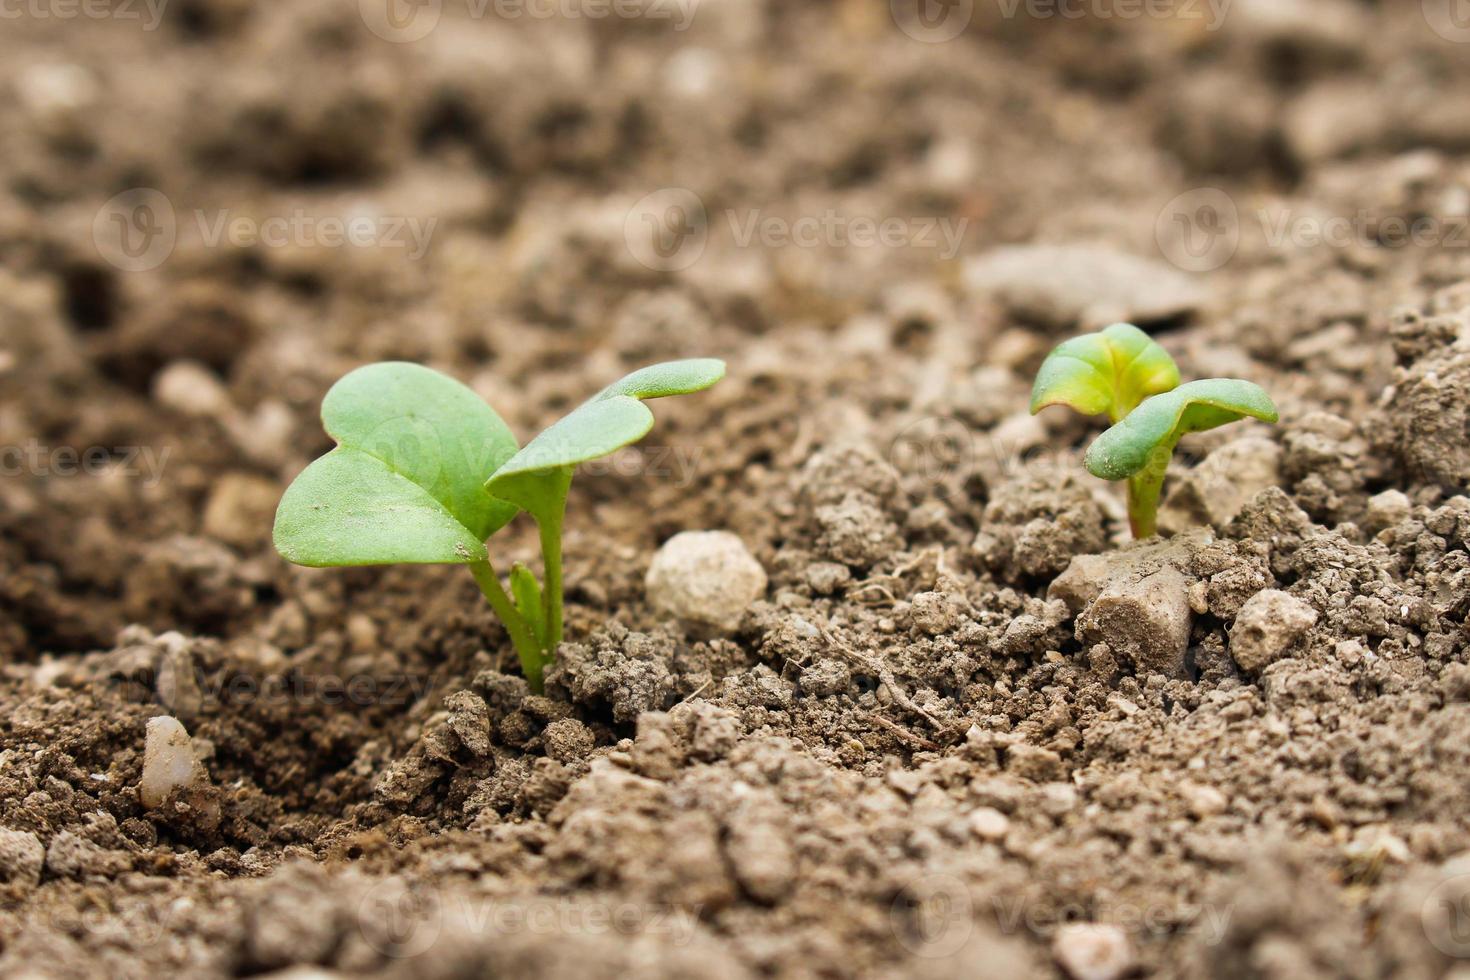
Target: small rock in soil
<point>1093,951</point>
<point>169,762</point>
<point>21,857</point>
<point>1387,509</point>
<point>1217,489</point>
<point>469,719</point>
<point>826,678</point>
<point>190,388</point>
<point>1146,621</point>
<point>1060,286</point>
<point>705,577</point>
<point>568,740</point>
<point>240,509</point>
<point>988,823</point>
<point>1266,627</point>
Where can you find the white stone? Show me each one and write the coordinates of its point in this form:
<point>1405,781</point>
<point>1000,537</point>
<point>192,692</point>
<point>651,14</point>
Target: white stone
<point>1203,801</point>
<point>1387,509</point>
<point>169,762</point>
<point>988,823</point>
<point>190,388</point>
<point>705,577</point>
<point>1093,951</point>
<point>1266,627</point>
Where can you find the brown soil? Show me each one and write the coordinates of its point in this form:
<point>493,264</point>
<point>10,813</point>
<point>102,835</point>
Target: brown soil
<point>937,740</point>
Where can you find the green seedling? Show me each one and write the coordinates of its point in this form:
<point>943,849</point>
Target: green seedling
<point>425,472</point>
<point>1123,374</point>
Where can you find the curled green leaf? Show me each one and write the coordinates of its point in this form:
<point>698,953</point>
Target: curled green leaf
<point>612,419</point>
<point>1150,431</point>
<point>1109,372</point>
<point>405,481</point>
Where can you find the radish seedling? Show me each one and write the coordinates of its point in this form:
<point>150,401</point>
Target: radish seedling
<point>1122,373</point>
<point>425,471</point>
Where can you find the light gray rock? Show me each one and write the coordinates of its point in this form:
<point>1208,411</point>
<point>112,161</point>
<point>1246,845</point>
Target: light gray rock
<point>1064,286</point>
<point>1219,488</point>
<point>1267,626</point>
<point>1146,621</point>
<point>1387,509</point>
<point>1093,951</point>
<point>169,762</point>
<point>22,856</point>
<point>705,577</point>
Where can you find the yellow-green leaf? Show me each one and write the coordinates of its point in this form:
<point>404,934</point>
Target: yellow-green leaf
<point>1109,373</point>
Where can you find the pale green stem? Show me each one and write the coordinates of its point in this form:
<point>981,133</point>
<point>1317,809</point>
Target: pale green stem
<point>1144,489</point>
<point>1143,504</point>
<point>550,525</point>
<point>533,660</point>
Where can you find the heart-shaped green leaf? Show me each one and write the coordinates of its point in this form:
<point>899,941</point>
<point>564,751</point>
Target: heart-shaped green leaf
<point>1157,424</point>
<point>538,475</point>
<point>1104,373</point>
<point>406,481</point>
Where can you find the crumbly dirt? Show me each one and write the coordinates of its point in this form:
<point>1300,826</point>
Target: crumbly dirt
<point>965,712</point>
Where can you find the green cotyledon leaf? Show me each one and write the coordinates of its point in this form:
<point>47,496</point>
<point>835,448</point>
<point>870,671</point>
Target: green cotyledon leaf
<point>537,477</point>
<point>405,483</point>
<point>1159,422</point>
<point>1109,372</point>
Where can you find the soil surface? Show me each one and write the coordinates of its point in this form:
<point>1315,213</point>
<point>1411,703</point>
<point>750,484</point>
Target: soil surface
<point>965,728</point>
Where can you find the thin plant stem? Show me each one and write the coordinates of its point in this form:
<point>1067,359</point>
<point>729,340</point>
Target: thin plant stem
<point>533,658</point>
<point>1145,487</point>
<point>550,525</point>
<point>1143,504</point>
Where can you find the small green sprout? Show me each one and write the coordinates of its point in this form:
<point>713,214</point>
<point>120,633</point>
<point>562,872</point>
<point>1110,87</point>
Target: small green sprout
<point>425,472</point>
<point>1122,373</point>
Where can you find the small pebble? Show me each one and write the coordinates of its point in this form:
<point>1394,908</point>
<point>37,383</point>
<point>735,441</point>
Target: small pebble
<point>1093,951</point>
<point>21,857</point>
<point>169,762</point>
<point>190,388</point>
<point>988,823</point>
<point>1203,801</point>
<point>705,577</point>
<point>1267,626</point>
